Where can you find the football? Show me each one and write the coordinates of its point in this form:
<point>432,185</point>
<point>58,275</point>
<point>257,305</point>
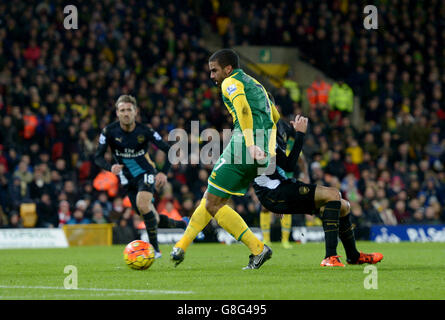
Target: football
<point>139,255</point>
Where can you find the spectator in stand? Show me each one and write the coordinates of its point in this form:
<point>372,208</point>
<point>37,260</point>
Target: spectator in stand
<point>104,202</point>
<point>293,88</point>
<point>431,216</point>
<point>431,192</point>
<point>4,181</point>
<point>351,167</point>
<point>117,211</point>
<point>14,220</point>
<point>336,166</point>
<point>38,186</point>
<point>370,147</point>
<point>341,97</point>
<point>284,102</point>
<point>434,149</point>
<point>125,232</point>
<point>23,173</point>
<point>318,93</point>
<point>47,214</point>
<point>418,216</point>
<point>401,213</point>
<point>98,215</point>
<point>64,213</point>
<point>18,193</point>
<point>360,222</point>
<point>386,213</point>
<point>78,217</point>
<point>349,188</point>
<point>170,211</point>
<point>70,189</point>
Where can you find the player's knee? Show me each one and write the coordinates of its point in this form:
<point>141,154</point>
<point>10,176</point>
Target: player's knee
<point>212,207</point>
<point>143,206</point>
<point>345,208</point>
<point>333,195</point>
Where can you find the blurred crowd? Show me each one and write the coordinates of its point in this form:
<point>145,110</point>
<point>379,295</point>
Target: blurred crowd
<point>58,88</point>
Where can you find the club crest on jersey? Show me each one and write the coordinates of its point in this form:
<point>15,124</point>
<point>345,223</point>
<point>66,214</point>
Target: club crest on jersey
<point>231,89</point>
<point>140,139</point>
<point>303,190</point>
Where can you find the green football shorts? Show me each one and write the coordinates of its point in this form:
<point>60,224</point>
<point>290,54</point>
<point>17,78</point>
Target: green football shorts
<point>234,170</point>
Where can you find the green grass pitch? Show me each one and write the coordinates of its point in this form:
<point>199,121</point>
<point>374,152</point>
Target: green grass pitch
<point>213,272</point>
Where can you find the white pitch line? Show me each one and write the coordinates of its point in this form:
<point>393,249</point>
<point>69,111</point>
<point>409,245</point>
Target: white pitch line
<point>101,289</point>
<point>61,296</point>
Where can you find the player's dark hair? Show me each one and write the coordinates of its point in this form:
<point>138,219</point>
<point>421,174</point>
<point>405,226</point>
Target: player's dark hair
<point>126,98</point>
<point>226,57</point>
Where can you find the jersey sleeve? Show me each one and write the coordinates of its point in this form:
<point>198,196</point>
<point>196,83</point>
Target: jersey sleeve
<point>275,113</point>
<point>233,90</point>
<point>99,156</point>
<point>288,163</point>
<point>156,139</point>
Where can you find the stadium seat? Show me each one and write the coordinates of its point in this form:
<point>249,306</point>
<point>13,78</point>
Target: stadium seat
<point>28,213</point>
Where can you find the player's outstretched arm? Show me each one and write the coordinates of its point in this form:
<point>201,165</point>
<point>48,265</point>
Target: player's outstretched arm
<point>304,168</point>
<point>288,163</point>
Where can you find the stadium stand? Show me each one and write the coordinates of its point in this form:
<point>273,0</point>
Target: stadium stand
<point>58,87</point>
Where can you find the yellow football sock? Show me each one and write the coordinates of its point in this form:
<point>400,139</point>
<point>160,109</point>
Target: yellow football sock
<point>200,218</point>
<point>265,225</point>
<point>232,222</point>
<point>286,225</point>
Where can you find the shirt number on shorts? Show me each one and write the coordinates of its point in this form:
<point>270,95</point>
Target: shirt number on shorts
<point>149,178</point>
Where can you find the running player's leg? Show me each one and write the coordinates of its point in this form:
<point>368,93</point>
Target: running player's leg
<point>165,222</point>
<point>144,210</point>
<point>346,234</point>
<point>326,195</point>
<point>145,207</point>
<point>198,221</point>
<point>329,201</point>
<point>225,180</point>
<point>232,222</point>
<point>265,222</point>
<point>215,206</point>
<point>286,226</point>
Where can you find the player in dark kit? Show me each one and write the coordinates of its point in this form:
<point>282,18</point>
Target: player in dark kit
<point>129,143</point>
<point>301,170</point>
<point>282,195</point>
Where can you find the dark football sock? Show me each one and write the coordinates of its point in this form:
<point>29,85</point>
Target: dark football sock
<point>346,234</point>
<point>152,229</point>
<point>166,222</point>
<point>330,218</point>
